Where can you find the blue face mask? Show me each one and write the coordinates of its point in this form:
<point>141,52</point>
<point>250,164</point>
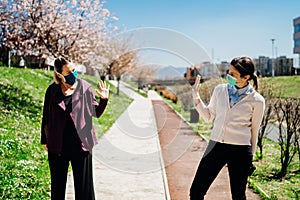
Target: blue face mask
<point>71,78</point>
<point>231,80</point>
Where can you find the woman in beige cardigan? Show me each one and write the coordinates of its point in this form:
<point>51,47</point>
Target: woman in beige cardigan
<point>236,110</point>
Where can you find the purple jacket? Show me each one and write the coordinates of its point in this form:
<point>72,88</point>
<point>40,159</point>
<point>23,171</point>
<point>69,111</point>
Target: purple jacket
<point>84,107</point>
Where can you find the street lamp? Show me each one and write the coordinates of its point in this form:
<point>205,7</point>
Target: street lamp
<point>273,71</point>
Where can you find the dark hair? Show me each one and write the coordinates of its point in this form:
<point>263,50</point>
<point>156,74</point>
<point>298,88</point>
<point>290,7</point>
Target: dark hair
<point>58,65</point>
<point>245,66</point>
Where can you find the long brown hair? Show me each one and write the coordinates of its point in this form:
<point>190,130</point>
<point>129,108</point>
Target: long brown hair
<point>245,66</point>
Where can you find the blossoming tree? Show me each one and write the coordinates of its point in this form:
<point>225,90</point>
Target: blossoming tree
<point>55,27</point>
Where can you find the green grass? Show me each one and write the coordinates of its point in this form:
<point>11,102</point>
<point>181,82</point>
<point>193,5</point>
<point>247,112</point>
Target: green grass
<point>285,86</point>
<point>24,171</point>
<point>264,176</point>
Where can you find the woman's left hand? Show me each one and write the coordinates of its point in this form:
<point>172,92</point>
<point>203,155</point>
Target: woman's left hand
<point>103,91</point>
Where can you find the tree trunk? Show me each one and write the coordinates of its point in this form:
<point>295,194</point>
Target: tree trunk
<point>262,133</point>
<point>284,166</point>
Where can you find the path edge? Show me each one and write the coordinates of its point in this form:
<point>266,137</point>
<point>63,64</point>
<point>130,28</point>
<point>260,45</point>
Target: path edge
<point>162,164</point>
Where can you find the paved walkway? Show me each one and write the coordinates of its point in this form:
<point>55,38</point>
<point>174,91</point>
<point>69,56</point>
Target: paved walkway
<point>127,161</point>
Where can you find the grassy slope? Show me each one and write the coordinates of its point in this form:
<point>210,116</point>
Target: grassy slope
<point>286,86</point>
<point>24,172</point>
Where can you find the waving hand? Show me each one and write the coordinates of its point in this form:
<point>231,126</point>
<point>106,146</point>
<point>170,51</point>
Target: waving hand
<point>103,91</point>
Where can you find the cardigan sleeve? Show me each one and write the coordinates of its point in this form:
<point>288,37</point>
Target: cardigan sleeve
<point>208,113</point>
<point>257,116</point>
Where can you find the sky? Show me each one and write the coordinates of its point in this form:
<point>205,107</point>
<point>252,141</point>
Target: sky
<point>223,28</point>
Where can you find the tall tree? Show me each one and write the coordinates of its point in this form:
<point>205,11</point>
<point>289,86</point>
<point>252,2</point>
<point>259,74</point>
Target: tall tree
<point>123,64</point>
<point>120,58</point>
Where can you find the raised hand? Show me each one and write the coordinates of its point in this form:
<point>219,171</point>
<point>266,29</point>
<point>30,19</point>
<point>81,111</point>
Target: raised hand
<point>103,91</point>
<point>196,86</point>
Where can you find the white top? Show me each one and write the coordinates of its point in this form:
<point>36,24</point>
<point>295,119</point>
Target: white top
<point>236,125</point>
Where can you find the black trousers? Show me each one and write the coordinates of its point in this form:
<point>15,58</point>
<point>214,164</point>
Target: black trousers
<point>81,162</point>
<point>238,159</point>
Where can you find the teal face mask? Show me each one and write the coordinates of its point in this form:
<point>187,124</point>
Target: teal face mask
<point>71,78</point>
<point>231,80</point>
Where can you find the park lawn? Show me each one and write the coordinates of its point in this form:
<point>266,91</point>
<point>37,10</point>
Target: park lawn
<point>263,177</point>
<point>24,171</point>
<point>285,86</point>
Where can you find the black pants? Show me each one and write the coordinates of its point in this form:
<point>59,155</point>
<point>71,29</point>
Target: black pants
<point>81,162</point>
<point>238,159</point>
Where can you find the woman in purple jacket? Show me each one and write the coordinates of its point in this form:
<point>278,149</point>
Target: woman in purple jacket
<point>67,130</point>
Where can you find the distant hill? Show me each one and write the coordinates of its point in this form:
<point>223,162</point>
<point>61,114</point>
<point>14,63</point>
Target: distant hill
<point>170,72</point>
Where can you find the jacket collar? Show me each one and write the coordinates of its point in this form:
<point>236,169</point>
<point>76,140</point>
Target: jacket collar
<point>81,88</point>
